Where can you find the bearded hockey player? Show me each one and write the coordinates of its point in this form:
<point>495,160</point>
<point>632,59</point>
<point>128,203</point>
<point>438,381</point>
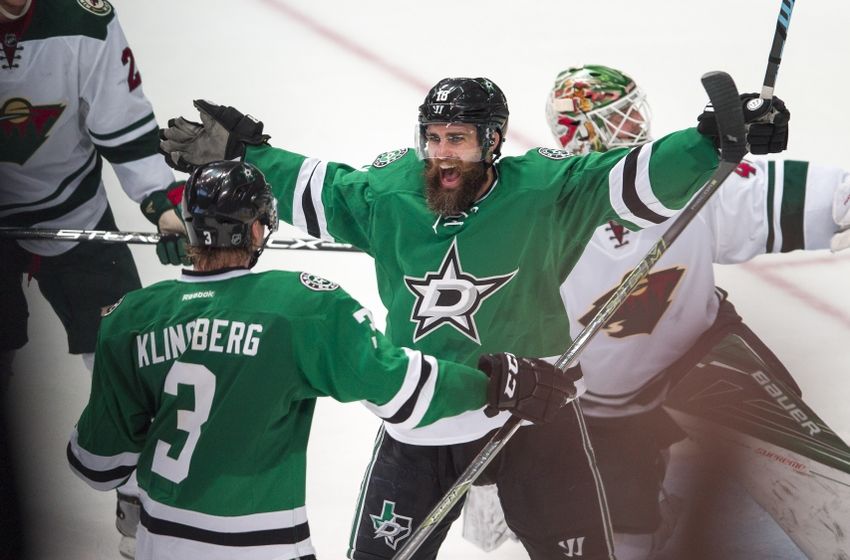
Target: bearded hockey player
<point>672,320</point>
<point>470,252</point>
<point>189,370</point>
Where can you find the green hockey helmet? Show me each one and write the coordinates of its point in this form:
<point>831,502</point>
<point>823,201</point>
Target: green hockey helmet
<point>597,108</point>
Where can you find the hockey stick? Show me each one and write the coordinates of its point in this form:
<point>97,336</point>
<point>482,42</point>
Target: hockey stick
<point>730,122</point>
<point>775,57</point>
<point>145,238</point>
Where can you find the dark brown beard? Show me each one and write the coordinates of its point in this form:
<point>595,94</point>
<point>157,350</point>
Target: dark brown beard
<point>452,202</point>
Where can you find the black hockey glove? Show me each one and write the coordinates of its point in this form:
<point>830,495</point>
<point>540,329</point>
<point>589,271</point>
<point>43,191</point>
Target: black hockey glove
<point>221,135</point>
<point>767,124</point>
<point>528,387</point>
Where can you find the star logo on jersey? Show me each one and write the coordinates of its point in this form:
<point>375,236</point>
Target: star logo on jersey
<point>390,526</point>
<point>451,297</point>
<point>24,128</point>
<point>643,308</point>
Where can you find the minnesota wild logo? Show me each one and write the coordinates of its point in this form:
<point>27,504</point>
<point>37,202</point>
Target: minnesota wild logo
<point>97,7</point>
<point>24,128</point>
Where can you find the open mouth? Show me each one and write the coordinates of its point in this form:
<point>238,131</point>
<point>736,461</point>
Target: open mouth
<point>449,176</point>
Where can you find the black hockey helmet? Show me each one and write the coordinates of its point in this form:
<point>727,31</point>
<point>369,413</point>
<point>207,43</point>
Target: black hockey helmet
<point>222,200</point>
<point>475,101</point>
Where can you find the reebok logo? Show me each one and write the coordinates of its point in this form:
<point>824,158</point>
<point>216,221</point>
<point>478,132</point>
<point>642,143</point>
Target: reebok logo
<point>198,295</point>
<point>573,547</point>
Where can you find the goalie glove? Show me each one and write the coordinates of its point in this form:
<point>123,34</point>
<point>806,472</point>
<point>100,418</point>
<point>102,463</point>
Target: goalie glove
<point>222,134</point>
<point>841,217</point>
<point>530,388</point>
<point>767,124</point>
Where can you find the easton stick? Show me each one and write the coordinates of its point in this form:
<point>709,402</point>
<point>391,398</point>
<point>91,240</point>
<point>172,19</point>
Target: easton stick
<point>146,238</point>
<point>732,131</point>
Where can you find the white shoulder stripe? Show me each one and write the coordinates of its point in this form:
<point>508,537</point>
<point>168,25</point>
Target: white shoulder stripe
<point>310,219</point>
<point>408,386</point>
<point>618,183</point>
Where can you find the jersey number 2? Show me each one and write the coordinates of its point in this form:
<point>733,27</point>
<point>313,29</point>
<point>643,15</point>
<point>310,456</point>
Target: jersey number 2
<point>134,78</point>
<point>202,382</point>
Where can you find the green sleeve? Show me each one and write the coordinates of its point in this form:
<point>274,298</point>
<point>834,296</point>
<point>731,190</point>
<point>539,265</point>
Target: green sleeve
<point>343,356</point>
<point>644,186</point>
<point>117,416</point>
<point>324,199</point>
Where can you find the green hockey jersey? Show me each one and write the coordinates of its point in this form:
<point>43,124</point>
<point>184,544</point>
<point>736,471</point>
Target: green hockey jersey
<point>486,280</point>
<point>206,386</point>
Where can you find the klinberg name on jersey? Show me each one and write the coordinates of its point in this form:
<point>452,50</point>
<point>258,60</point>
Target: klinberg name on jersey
<point>203,334</point>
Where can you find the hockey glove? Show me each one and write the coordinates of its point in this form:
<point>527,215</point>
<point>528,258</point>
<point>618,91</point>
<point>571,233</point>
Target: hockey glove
<point>162,208</point>
<point>528,387</point>
<point>221,135</point>
<point>841,217</point>
<point>767,124</point>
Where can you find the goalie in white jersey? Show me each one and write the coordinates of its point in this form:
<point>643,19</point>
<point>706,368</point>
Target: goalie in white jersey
<point>764,207</point>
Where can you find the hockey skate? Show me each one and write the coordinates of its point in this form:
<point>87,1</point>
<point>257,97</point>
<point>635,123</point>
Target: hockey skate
<point>127,513</point>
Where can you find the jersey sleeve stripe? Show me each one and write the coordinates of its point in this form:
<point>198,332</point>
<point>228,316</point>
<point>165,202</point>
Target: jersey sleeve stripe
<point>425,393</point>
<point>771,194</point>
<point>99,479</point>
<point>412,380</point>
<point>409,405</point>
<point>793,205</point>
<point>308,213</point>
<point>630,190</point>
<point>115,138</point>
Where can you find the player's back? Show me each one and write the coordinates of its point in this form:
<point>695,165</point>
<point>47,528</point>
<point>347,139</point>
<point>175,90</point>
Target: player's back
<point>215,357</point>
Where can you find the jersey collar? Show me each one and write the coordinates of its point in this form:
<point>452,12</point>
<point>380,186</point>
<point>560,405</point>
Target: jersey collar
<point>212,275</point>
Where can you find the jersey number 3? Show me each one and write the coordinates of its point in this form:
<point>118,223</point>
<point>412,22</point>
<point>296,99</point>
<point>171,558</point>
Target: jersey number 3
<point>202,382</point>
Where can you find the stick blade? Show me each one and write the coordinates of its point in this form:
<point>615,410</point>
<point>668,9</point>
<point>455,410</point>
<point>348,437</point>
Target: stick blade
<point>724,97</point>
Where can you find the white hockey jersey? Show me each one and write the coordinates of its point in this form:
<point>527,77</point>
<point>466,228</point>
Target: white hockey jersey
<point>70,92</point>
<point>764,207</point>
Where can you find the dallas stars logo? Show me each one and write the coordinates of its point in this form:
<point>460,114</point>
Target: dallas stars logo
<point>643,309</point>
<point>390,526</point>
<point>451,297</point>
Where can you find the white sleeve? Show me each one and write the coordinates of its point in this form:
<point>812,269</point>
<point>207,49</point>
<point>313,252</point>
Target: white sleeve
<point>772,207</point>
<point>118,116</point>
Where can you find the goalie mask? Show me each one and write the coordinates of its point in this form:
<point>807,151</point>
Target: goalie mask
<point>221,202</point>
<point>595,108</point>
<point>462,101</point>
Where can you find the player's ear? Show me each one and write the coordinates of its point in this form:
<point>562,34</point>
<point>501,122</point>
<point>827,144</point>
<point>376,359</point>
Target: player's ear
<point>258,233</point>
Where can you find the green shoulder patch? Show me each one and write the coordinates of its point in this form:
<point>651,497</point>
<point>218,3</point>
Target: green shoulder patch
<point>317,283</point>
<point>97,7</point>
<point>552,153</point>
<point>387,158</point>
